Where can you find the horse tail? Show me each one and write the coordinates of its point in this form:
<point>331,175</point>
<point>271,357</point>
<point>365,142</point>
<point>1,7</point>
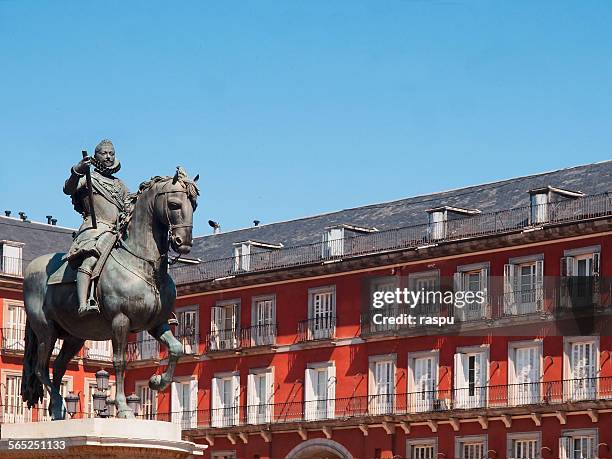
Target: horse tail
<point>31,387</point>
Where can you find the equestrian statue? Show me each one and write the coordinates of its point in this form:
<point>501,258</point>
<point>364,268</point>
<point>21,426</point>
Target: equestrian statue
<point>113,281</point>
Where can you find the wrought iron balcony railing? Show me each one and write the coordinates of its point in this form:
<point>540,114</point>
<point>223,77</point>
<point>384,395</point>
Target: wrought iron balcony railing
<point>223,340</point>
<point>521,396</point>
<point>259,335</point>
<point>321,327</point>
<point>505,221</point>
<point>13,339</point>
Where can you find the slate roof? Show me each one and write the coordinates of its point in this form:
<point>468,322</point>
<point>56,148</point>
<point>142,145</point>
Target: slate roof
<point>39,238</point>
<point>506,194</point>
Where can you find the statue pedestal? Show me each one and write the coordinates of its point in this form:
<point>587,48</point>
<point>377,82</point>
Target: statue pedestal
<point>97,438</point>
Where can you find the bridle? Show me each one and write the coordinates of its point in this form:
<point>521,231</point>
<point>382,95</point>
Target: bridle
<point>171,228</point>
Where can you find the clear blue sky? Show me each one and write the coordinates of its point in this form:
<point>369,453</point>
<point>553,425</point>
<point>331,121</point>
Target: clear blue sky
<point>292,108</point>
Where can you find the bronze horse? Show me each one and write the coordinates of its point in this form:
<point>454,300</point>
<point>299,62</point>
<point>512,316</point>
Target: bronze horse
<point>134,289</point>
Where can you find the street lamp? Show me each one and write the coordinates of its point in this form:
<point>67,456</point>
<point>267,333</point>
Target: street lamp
<point>99,403</point>
<point>102,380</point>
<point>110,407</point>
<point>72,401</point>
<point>133,402</point>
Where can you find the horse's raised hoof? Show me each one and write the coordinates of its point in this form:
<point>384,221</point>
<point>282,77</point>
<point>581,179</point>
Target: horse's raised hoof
<point>156,383</point>
<point>126,414</point>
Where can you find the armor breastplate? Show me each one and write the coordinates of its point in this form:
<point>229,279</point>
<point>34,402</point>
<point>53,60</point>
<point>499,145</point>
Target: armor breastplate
<point>108,197</point>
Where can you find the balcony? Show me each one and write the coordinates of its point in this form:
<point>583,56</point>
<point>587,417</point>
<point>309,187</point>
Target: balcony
<point>12,266</point>
<point>259,335</point>
<point>101,351</point>
<point>411,237</point>
<point>318,328</point>
<point>13,340</point>
<point>223,340</point>
<point>190,341</point>
<point>143,349</point>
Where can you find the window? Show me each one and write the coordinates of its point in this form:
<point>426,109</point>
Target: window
<point>263,320</point>
<point>382,384</point>
<point>320,391</point>
<point>225,399</point>
<point>423,381</point>
<point>43,411</point>
<point>13,336</point>
<point>422,448</point>
<point>225,325</point>
<point>539,207</point>
<point>581,359</point>
<point>578,444</point>
<point>148,400</point>
<point>260,391</point>
<point>382,284</point>
<point>223,455</point>
<point>472,278</point>
<point>437,224</point>
<point>471,377</point>
<point>187,330</point>
<point>99,350</point>
<point>428,281</point>
<point>242,256</point>
<point>184,403</point>
<point>90,389</point>
<point>524,445</point>
<point>471,447</point>
<point>147,347</point>
<point>321,313</point>
<point>580,277</point>
<point>14,410</point>
<point>333,243</point>
<point>11,258</point>
<point>525,372</point>
<point>524,286</point>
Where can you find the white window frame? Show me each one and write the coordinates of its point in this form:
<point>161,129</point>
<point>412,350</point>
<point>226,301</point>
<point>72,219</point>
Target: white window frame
<point>460,441</point>
<point>381,403</point>
<point>460,284</point>
<point>260,411</point>
<point>263,334</point>
<point>13,336</point>
<point>571,385</point>
<point>532,392</point>
<point>189,341</point>
<point>523,436</point>
<point>428,442</point>
<point>463,399</point>
<point>321,326</point>
<point>316,407</point>
<point>11,265</point>
<point>225,416</point>
<point>333,242</point>
<point>139,386</point>
<point>242,256</point>
<point>567,437</point>
<point>11,413</point>
<point>186,418</point>
<point>89,386</point>
<point>417,400</point>
<point>222,338</point>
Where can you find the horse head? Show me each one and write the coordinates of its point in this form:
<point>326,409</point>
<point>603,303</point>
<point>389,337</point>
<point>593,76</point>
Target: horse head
<point>173,207</point>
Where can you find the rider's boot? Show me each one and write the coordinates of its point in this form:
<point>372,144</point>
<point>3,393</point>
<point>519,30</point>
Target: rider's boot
<point>87,303</point>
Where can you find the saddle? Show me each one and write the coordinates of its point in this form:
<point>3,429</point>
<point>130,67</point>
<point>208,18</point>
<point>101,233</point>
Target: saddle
<point>66,274</point>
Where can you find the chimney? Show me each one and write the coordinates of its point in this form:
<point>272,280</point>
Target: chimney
<point>7,213</point>
<point>54,221</point>
<point>256,222</point>
<point>49,218</point>
<point>23,216</point>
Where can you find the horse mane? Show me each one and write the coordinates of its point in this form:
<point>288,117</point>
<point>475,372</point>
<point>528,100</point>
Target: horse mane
<point>130,202</point>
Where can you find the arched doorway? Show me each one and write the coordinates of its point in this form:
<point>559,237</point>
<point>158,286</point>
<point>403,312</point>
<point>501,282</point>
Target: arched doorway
<point>319,448</point>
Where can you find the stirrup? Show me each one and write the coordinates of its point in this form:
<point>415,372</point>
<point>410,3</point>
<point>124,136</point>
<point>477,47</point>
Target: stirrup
<point>90,307</point>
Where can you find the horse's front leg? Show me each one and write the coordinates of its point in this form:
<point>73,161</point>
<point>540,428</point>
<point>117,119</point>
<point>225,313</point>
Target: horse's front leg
<point>121,327</point>
<point>164,335</point>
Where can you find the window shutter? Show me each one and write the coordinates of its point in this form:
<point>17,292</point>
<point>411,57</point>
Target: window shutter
<point>309,395</point>
<point>216,414</point>
<point>331,391</point>
<point>567,265</point>
<point>484,286</point>
<point>596,285</point>
<point>325,252</point>
<point>539,280</point>
<point>236,398</point>
<point>175,406</point>
<point>193,402</point>
<point>458,287</point>
<point>564,447</point>
<point>252,399</point>
<point>509,292</point>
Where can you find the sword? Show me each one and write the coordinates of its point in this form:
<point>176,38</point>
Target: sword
<point>92,209</point>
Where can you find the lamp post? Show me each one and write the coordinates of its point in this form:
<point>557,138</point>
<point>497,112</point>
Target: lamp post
<point>102,378</point>
<point>133,402</point>
<point>72,402</point>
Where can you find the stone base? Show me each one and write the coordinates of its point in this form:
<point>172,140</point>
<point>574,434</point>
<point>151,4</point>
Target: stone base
<point>97,438</point>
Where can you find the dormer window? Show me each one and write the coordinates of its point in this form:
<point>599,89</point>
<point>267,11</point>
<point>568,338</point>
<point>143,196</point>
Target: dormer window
<point>249,255</point>
<point>440,216</point>
<point>334,238</point>
<point>541,200</point>
<point>11,258</point>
